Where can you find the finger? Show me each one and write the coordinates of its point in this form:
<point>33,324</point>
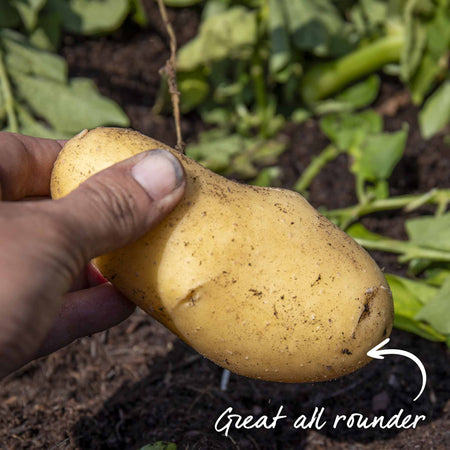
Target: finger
<point>86,312</point>
<point>119,204</point>
<point>94,276</point>
<point>25,165</point>
<point>51,241</point>
<point>90,276</point>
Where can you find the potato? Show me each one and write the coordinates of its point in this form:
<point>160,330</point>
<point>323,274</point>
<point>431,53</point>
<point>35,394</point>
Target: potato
<point>255,279</point>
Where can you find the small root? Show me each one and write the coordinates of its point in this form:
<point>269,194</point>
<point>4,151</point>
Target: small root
<point>171,72</point>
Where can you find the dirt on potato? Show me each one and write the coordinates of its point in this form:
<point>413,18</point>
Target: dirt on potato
<point>138,384</point>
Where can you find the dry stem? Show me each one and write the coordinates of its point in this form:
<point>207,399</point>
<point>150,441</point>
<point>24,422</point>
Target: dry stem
<point>170,71</point>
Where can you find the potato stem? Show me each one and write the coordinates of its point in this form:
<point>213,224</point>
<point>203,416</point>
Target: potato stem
<point>327,78</point>
<point>313,169</point>
<point>439,197</point>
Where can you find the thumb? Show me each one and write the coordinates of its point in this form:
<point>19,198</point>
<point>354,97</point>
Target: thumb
<point>118,205</point>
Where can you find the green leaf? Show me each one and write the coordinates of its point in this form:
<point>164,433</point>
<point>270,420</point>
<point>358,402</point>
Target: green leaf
<point>217,116</point>
<point>226,153</point>
<point>437,276</point>
<point>409,297</point>
<point>359,231</point>
<point>359,20</point>
<point>213,8</point>
<point>9,18</point>
<point>435,114</point>
<point>26,59</point>
<point>414,326</point>
<point>194,90</point>
<point>379,155</point>
<point>368,16</point>
<point>280,49</point>
<point>423,80</point>
<point>29,11</point>
<point>415,44</point>
<point>69,108</point>
<point>347,130</point>
<point>266,152</point>
<point>433,64</point>
<point>316,26</point>
<point>90,16</point>
<point>47,34</point>
<point>418,290</point>
<point>431,232</point>
<point>139,15</point>
<point>437,311</point>
<point>438,29</point>
<point>361,94</point>
<point>215,149</point>
<point>267,176</point>
<point>32,127</point>
<point>300,115</point>
<point>231,34</point>
<point>354,97</point>
<point>375,12</point>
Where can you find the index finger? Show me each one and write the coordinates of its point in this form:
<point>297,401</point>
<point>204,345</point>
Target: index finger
<point>26,165</point>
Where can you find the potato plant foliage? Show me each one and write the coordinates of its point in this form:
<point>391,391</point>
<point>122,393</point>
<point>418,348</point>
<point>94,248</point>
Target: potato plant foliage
<point>253,66</point>
<point>288,60</point>
<point>36,95</point>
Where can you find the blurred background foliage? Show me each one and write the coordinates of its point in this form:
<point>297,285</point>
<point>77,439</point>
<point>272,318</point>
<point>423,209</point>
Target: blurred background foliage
<point>36,96</point>
<point>254,66</point>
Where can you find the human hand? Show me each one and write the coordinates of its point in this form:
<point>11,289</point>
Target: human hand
<point>50,294</point>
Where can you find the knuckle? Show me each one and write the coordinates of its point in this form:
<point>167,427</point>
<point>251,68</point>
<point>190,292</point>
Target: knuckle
<point>115,204</point>
<point>37,237</point>
<point>56,235</point>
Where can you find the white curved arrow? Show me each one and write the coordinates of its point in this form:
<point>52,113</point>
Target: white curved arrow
<point>377,353</point>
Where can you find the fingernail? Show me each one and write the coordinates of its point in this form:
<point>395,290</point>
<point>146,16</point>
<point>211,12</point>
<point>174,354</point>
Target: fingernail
<point>159,173</point>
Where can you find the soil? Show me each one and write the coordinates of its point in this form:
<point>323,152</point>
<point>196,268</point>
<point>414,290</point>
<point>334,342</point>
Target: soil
<point>137,383</point>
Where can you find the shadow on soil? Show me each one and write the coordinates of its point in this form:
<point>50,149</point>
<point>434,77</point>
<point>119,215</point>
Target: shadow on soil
<point>180,401</point>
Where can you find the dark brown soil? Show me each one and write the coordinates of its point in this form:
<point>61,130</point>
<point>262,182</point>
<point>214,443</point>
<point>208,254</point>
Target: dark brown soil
<point>137,383</point>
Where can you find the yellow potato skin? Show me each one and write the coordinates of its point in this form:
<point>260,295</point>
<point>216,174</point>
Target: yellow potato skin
<point>253,278</point>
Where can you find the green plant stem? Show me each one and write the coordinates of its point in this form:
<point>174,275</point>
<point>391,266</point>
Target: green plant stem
<point>325,79</point>
<point>316,165</point>
<point>8,97</point>
<point>408,250</point>
<point>360,191</point>
<point>257,73</point>
<point>259,85</point>
<point>440,197</point>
